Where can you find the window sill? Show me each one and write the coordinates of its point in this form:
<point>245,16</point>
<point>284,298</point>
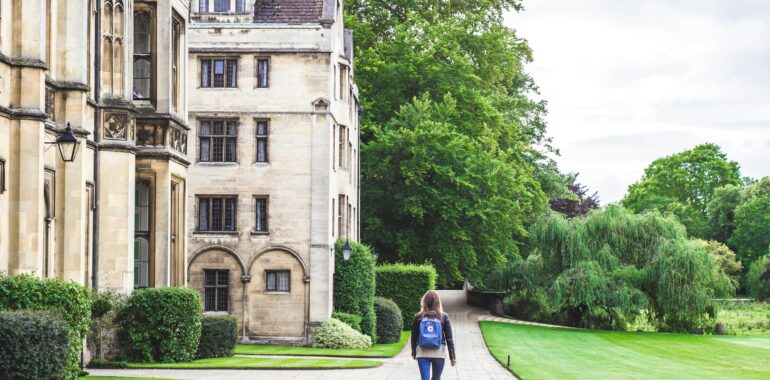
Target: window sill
<point>276,293</point>
<point>259,233</point>
<point>216,233</point>
<point>209,163</point>
<point>216,313</point>
<point>261,164</point>
<point>219,88</point>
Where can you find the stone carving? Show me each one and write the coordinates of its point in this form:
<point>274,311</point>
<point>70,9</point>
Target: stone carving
<point>117,125</point>
<point>179,140</point>
<point>50,102</point>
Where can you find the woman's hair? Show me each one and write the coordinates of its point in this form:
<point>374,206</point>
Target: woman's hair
<point>431,306</point>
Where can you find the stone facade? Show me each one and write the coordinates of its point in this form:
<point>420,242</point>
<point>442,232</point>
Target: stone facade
<point>75,61</point>
<point>274,179</point>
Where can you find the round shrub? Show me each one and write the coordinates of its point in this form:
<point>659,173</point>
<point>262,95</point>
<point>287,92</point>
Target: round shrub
<point>758,279</point>
<point>334,333</point>
<point>69,300</point>
<point>218,337</point>
<point>389,320</point>
<point>354,285</point>
<point>33,345</point>
<point>351,320</point>
<point>162,324</point>
<point>405,284</point>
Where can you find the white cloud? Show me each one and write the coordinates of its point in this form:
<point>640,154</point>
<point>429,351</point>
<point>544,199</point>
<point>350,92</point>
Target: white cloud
<point>630,81</point>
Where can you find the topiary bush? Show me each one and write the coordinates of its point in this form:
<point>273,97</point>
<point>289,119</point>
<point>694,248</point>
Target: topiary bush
<point>405,284</point>
<point>351,320</point>
<point>354,285</point>
<point>218,337</point>
<point>69,300</point>
<point>102,336</point>
<point>334,333</point>
<point>389,320</point>
<point>33,345</point>
<point>758,279</point>
<point>161,324</point>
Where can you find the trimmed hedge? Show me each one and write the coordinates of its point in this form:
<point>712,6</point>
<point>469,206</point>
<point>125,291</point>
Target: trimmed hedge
<point>218,337</point>
<point>334,333</point>
<point>405,284</point>
<point>354,285</point>
<point>161,324</point>
<point>351,320</point>
<point>33,345</point>
<point>69,300</point>
<point>389,320</point>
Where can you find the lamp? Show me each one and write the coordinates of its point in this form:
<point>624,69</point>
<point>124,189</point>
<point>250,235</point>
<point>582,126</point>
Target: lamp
<point>68,144</point>
<point>347,250</point>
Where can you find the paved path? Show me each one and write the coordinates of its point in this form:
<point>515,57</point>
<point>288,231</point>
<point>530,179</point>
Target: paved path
<point>473,359</point>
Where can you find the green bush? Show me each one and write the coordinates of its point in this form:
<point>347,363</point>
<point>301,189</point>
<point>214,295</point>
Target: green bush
<point>405,284</point>
<point>758,279</point>
<point>69,300</point>
<point>334,333</point>
<point>389,320</point>
<point>102,337</point>
<point>161,324</point>
<point>33,345</point>
<point>106,364</point>
<point>351,320</point>
<point>354,285</point>
<point>218,337</point>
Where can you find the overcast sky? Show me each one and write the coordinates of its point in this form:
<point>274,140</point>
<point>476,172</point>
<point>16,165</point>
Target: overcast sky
<point>628,81</point>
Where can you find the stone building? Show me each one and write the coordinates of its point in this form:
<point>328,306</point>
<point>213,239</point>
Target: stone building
<point>114,71</point>
<point>274,178</point>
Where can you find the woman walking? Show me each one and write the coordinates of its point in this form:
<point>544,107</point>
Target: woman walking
<point>432,337</point>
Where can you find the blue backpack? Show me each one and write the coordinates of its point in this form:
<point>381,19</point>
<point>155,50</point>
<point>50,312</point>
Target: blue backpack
<point>431,335</point>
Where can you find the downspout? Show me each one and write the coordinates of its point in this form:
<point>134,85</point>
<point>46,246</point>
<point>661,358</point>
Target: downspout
<point>360,111</point>
<point>97,129</point>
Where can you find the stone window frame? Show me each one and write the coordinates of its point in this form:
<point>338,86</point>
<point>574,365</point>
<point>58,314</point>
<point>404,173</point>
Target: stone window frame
<point>227,60</point>
<point>148,234</point>
<point>227,122</point>
<point>149,9</point>
<point>216,286</point>
<point>209,231</point>
<point>262,137</point>
<point>276,284</point>
<point>266,228</point>
<point>262,83</point>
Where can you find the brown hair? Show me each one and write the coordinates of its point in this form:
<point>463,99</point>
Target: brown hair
<point>430,306</point>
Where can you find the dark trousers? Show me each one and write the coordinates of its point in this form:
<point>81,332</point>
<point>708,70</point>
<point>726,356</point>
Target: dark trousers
<point>425,365</point>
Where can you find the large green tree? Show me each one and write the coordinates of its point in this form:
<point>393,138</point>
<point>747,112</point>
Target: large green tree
<point>683,184</point>
<point>752,229</point>
<point>453,143</point>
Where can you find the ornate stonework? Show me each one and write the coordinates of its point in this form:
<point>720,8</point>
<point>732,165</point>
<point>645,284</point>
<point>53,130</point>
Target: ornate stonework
<point>118,125</point>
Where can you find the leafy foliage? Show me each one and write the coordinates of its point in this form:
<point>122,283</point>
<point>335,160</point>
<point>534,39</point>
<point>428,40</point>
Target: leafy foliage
<point>69,300</point>
<point>354,285</point>
<point>720,212</point>
<point>751,238</point>
<point>218,337</point>
<point>578,204</point>
<point>351,320</point>
<point>726,258</point>
<point>606,269</point>
<point>33,345</point>
<point>389,320</point>
<point>683,184</point>
<point>453,142</point>
<point>405,284</point>
<point>334,333</point>
<point>758,279</point>
<point>161,324</point>
<point>102,334</point>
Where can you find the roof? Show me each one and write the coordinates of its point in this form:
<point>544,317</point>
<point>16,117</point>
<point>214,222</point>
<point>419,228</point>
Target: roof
<point>288,11</point>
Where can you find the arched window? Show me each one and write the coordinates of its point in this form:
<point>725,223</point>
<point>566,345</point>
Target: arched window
<point>142,55</point>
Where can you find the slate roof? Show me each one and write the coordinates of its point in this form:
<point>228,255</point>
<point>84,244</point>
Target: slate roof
<point>288,11</point>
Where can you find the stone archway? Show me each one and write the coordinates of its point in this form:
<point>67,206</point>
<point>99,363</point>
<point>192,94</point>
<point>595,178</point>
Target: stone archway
<point>278,294</point>
<point>219,259</point>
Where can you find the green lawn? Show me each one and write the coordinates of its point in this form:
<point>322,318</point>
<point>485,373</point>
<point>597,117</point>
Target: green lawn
<point>263,363</point>
<point>376,351</point>
<point>548,353</point>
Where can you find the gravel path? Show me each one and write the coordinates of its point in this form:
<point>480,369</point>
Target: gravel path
<point>473,359</point>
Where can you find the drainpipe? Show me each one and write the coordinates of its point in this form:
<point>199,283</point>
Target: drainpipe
<point>97,130</point>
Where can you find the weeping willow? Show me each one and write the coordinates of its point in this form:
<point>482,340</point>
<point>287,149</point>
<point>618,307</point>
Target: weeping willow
<point>611,268</point>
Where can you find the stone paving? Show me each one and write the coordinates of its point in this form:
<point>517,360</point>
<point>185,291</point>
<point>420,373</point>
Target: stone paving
<point>473,359</point>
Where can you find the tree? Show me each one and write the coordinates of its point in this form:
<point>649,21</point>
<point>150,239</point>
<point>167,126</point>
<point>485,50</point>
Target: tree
<point>683,184</point>
<point>726,258</point>
<point>752,229</point>
<point>720,212</point>
<point>579,203</point>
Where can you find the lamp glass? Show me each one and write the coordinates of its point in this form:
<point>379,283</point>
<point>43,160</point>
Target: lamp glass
<point>346,251</point>
<point>68,145</point>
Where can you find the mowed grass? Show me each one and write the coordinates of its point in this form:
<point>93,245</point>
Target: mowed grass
<point>239,362</point>
<point>550,353</point>
<point>376,351</point>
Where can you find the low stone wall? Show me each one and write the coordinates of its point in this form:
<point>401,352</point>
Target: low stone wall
<point>493,301</point>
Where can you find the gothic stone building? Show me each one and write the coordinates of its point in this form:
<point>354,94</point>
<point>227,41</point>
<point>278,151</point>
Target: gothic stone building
<point>274,178</point>
<point>113,217</point>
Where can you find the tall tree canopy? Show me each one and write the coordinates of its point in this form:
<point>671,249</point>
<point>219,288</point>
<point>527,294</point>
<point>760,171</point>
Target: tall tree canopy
<point>453,142</point>
<point>577,202</point>
<point>683,184</point>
